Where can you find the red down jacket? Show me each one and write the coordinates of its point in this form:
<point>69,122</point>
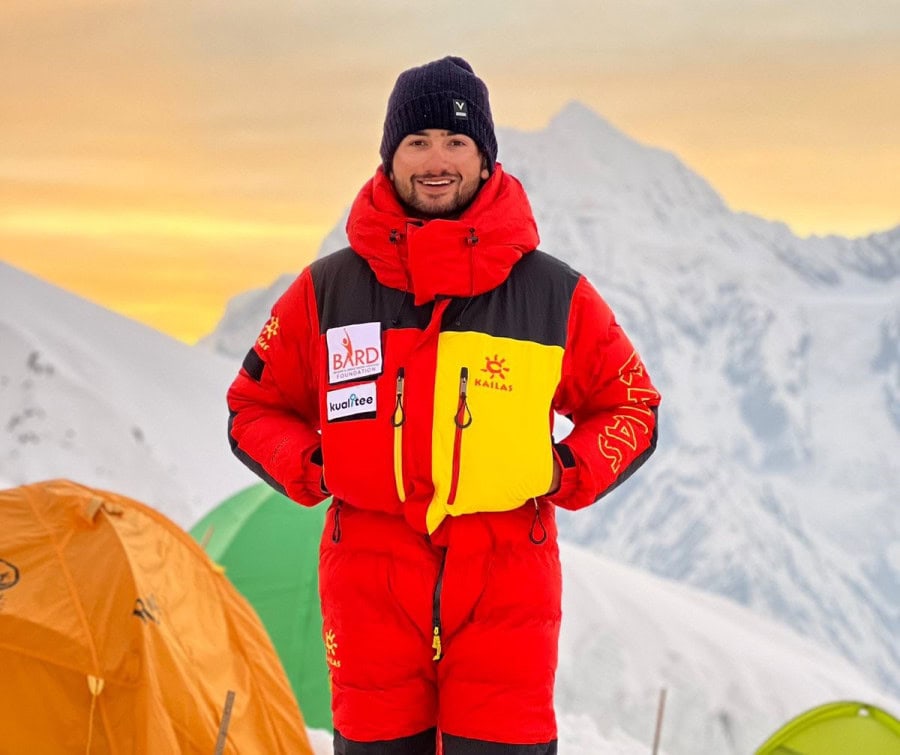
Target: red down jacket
<point>414,377</point>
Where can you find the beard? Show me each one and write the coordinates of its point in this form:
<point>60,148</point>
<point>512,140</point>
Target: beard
<point>447,206</point>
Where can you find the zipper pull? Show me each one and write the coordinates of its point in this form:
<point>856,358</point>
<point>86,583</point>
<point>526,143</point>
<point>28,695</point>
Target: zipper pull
<point>399,416</point>
<point>462,408</point>
<point>436,644</point>
<point>538,534</point>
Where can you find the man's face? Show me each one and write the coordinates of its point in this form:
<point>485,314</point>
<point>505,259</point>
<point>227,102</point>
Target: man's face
<point>437,173</point>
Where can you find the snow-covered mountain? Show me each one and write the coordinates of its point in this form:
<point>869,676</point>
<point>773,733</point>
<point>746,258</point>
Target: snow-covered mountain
<point>87,394</point>
<point>91,396</point>
<point>777,478</point>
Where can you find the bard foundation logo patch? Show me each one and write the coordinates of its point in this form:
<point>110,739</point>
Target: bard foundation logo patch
<point>354,352</point>
<point>494,374</point>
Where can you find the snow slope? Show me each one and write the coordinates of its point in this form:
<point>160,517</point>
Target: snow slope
<point>91,396</point>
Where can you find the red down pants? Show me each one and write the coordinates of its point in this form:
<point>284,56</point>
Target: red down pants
<point>491,588</point>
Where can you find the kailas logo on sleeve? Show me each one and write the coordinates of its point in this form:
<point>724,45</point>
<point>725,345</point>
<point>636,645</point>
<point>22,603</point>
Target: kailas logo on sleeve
<point>355,402</point>
<point>354,352</point>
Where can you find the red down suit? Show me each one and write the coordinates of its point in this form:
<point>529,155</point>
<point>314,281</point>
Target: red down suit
<point>414,377</point>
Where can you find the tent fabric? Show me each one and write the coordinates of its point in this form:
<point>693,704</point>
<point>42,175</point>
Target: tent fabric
<point>269,547</point>
<point>119,635</point>
<point>837,728</point>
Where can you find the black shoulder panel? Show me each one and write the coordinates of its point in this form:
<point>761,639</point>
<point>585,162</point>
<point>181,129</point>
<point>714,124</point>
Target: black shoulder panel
<point>532,305</point>
<point>347,292</point>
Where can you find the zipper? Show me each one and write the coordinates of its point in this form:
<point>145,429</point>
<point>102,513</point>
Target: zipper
<point>398,419</point>
<point>436,643</point>
<point>462,419</point>
<point>336,525</point>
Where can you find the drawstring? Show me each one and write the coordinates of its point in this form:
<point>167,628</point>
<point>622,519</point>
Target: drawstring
<point>336,529</point>
<point>540,538</point>
<point>395,321</point>
<point>459,317</point>
<point>471,241</point>
<point>394,238</point>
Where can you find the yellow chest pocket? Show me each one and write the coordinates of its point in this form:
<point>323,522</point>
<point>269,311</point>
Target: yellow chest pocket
<point>492,442</point>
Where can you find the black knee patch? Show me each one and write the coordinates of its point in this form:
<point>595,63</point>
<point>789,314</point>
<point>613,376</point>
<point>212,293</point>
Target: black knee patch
<point>465,746</point>
<point>423,743</point>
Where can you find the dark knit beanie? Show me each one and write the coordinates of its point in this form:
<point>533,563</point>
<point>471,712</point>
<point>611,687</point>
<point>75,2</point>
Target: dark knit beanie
<point>444,94</point>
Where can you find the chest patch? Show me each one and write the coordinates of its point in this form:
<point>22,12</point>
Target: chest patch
<point>354,402</point>
<point>354,352</point>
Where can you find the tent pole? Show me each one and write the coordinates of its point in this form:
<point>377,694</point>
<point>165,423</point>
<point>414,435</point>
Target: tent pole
<point>660,711</point>
<point>226,719</point>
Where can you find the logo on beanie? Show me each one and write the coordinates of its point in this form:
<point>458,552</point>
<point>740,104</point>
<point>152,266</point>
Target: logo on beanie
<point>460,109</point>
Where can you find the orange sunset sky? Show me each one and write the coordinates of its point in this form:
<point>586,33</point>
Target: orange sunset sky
<point>161,157</point>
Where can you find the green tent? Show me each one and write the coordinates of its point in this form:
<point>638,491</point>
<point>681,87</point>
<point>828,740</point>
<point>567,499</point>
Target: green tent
<point>269,547</point>
<point>838,728</point>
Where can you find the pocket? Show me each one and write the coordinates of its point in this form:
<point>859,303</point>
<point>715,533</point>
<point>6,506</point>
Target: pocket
<point>357,443</point>
<point>497,453</point>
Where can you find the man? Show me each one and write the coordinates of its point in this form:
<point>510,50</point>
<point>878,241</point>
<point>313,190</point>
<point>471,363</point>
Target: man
<point>413,376</point>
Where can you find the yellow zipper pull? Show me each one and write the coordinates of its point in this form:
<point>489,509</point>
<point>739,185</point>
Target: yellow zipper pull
<point>436,644</point>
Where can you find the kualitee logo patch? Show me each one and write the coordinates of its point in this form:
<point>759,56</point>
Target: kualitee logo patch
<point>354,352</point>
<point>354,402</point>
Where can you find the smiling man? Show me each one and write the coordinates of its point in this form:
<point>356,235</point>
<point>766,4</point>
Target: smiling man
<point>414,376</point>
<point>437,173</point>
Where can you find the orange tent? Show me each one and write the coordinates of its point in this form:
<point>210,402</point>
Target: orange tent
<point>119,635</point>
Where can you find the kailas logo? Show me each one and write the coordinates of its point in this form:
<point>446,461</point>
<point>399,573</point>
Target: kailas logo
<point>495,371</point>
<point>331,648</point>
<point>460,109</point>
<point>357,402</point>
<point>269,331</point>
<point>9,575</point>
<point>354,352</point>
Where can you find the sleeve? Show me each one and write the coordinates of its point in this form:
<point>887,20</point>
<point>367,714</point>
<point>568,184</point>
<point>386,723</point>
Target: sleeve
<point>606,392</point>
<point>273,424</point>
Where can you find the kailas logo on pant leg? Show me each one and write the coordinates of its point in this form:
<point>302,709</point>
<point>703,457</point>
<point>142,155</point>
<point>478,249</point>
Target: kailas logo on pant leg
<point>331,648</point>
<point>354,352</point>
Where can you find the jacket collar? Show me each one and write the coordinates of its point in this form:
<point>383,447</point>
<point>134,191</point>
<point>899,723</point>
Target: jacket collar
<point>459,258</point>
